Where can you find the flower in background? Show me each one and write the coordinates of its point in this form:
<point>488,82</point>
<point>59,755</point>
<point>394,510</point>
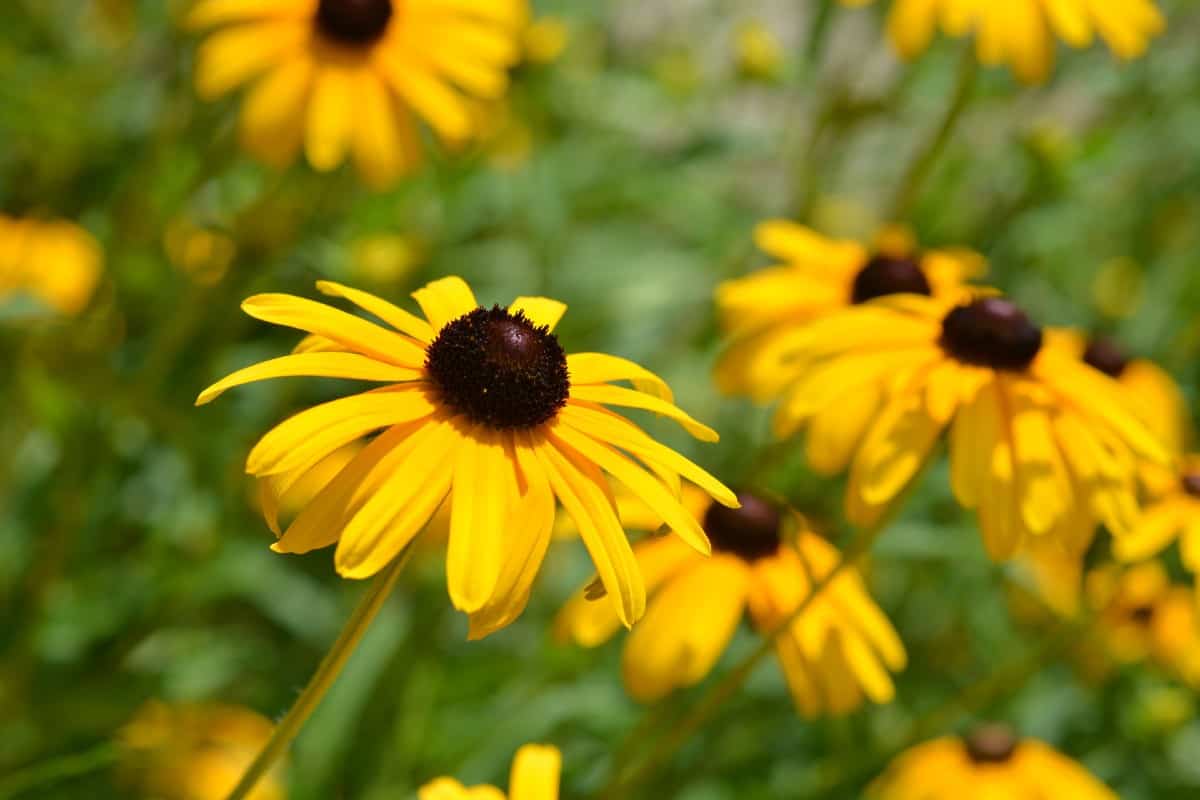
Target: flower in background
<point>1152,391</point>
<point>988,764</point>
<point>482,406</point>
<point>757,51</point>
<point>534,776</point>
<point>204,255</point>
<point>56,261</point>
<point>386,258</point>
<point>1022,33</point>
<point>835,654</point>
<point>346,77</point>
<point>766,310</point>
<point>544,40</point>
<point>1172,514</point>
<point>1041,444</point>
<point>196,752</point>
<point>1142,616</point>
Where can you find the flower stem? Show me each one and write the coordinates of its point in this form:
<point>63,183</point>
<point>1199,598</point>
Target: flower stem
<point>326,675</point>
<point>56,770</point>
<point>927,156</point>
<point>735,678</point>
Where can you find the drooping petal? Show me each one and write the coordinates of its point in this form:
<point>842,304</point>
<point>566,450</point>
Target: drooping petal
<point>398,318</point>
<point>606,394</point>
<point>484,484</point>
<point>587,368</point>
<point>444,300</point>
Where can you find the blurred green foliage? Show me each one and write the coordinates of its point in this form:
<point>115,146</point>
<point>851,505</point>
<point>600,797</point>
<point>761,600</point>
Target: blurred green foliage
<point>134,565</point>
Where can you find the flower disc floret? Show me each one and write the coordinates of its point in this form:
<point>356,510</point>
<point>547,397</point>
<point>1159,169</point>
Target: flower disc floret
<point>991,744</point>
<point>499,369</point>
<point>750,532</point>
<point>1105,355</point>
<point>354,22</point>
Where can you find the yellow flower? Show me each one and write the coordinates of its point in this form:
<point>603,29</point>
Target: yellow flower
<point>757,51</point>
<point>203,255</point>
<point>1153,393</point>
<point>837,652</point>
<point>481,405</point>
<point>1022,33</point>
<point>56,261</point>
<point>196,752</point>
<point>818,275</point>
<point>989,764</point>
<point>1041,444</point>
<point>1174,513</point>
<point>343,77</point>
<point>535,774</point>
<point>1141,615</point>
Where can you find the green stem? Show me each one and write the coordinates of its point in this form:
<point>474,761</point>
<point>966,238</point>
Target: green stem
<point>326,675</point>
<point>818,34</point>
<point>57,770</point>
<point>735,678</point>
<point>927,156</point>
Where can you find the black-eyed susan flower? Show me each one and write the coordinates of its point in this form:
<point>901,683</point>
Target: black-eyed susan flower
<point>195,752</point>
<point>535,775</point>
<point>1041,444</point>
<point>838,652</point>
<point>1154,394</point>
<point>1172,513</point>
<point>347,77</point>
<point>757,51</point>
<point>481,406</point>
<point>1141,615</point>
<point>990,763</point>
<point>1022,33</point>
<point>819,275</point>
<point>55,261</point>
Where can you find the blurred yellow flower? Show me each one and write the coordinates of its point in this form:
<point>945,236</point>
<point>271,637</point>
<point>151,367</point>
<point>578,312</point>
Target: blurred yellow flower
<point>346,77</point>
<point>1173,513</point>
<point>56,261</point>
<point>1151,390</point>
<point>820,275</point>
<point>1142,616</point>
<point>1022,33</point>
<point>545,39</point>
<point>482,406</point>
<point>757,51</point>
<point>202,254</point>
<point>196,752</point>
<point>1119,288</point>
<point>836,654</point>
<point>1041,444</point>
<point>535,774</point>
<point>386,258</point>
<point>990,763</point>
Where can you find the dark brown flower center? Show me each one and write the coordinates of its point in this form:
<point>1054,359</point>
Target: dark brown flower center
<point>884,275</point>
<point>1191,483</point>
<point>991,332</point>
<point>499,369</point>
<point>354,22</point>
<point>1104,354</point>
<point>1143,614</point>
<point>991,744</point>
<point>750,532</point>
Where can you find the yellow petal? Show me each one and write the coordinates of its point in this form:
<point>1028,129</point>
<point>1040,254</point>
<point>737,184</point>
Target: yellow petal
<point>346,329</point>
<point>587,368</point>
<point>445,300</point>
<point>272,121</point>
<point>398,318</point>
<point>208,13</point>
<point>535,773</point>
<point>379,138</point>
<point>484,483</point>
<point>607,394</point>
<point>539,310</point>
<point>231,57</point>
<point>331,116</point>
<point>350,366</point>
<point>894,450</point>
<point>1158,526</point>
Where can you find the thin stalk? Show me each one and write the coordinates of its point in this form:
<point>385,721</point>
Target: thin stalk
<point>818,34</point>
<point>927,156</point>
<point>327,673</point>
<point>56,770</point>
<point>735,678</point>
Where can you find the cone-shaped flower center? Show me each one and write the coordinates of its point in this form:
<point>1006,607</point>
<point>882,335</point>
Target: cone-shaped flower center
<point>354,22</point>
<point>991,332</point>
<point>991,744</point>
<point>499,369</point>
<point>1104,354</point>
<point>750,532</point>
<point>884,275</point>
<point>1191,483</point>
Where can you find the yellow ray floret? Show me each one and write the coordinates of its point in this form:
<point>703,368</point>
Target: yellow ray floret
<point>535,776</point>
